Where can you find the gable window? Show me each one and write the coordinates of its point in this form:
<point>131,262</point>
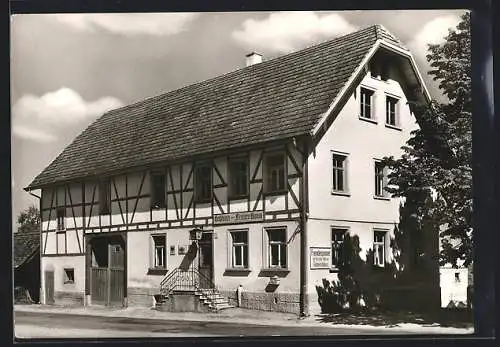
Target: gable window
<point>277,248</point>
<point>104,197</point>
<point>379,247</point>
<point>366,103</point>
<point>391,111</point>
<point>274,173</point>
<point>380,179</point>
<point>203,183</point>
<point>160,253</point>
<point>339,164</point>
<point>238,177</point>
<point>240,249</point>
<point>158,190</point>
<point>69,276</point>
<point>61,216</point>
<point>338,246</point>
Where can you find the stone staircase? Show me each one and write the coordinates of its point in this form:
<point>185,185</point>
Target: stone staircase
<point>213,299</point>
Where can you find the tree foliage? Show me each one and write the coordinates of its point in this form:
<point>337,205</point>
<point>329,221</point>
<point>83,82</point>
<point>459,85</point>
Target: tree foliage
<point>434,174</point>
<point>28,220</point>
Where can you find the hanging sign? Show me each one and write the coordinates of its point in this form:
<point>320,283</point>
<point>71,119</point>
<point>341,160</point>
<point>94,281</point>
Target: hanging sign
<point>321,257</point>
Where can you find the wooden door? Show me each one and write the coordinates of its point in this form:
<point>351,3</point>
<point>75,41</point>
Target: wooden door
<point>205,259</point>
<point>108,271</point>
<point>49,287</point>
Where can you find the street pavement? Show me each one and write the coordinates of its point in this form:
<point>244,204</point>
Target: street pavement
<point>44,325</point>
<point>41,321</point>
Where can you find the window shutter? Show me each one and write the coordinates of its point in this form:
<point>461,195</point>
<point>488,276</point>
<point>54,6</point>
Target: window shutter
<point>229,249</point>
<point>151,252</point>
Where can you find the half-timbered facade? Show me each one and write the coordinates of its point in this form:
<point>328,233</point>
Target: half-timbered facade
<point>250,183</point>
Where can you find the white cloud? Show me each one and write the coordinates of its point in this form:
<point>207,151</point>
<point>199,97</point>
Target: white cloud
<point>287,31</point>
<point>40,118</point>
<point>433,32</point>
<point>129,23</point>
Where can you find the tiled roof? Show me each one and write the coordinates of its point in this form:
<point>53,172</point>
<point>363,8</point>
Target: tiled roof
<point>26,244</point>
<point>276,99</point>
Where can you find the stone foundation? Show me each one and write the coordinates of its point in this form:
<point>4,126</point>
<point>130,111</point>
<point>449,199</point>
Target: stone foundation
<point>141,297</point>
<point>276,302</point>
<point>69,298</point>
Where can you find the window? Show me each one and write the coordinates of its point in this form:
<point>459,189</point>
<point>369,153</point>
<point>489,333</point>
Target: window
<point>274,173</point>
<point>158,190</point>
<point>240,249</point>
<point>238,177</point>
<point>203,183</point>
<point>61,215</point>
<point>380,179</point>
<point>391,111</point>
<point>69,276</point>
<point>379,247</point>
<point>160,245</point>
<point>366,103</point>
<point>277,247</point>
<point>104,197</point>
<point>457,277</point>
<point>338,246</point>
<point>339,183</point>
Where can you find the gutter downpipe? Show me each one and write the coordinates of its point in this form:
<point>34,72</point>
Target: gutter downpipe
<point>40,236</point>
<point>303,299</point>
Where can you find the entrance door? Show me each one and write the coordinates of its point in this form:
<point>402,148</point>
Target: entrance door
<point>205,258</point>
<point>107,281</point>
<point>49,287</point>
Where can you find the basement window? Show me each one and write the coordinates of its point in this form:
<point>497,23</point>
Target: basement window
<point>69,276</point>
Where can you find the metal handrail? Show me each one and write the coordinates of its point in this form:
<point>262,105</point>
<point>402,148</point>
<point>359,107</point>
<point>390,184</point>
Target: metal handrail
<point>189,279</point>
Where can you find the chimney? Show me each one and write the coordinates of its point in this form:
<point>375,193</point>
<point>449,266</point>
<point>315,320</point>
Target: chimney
<point>253,58</point>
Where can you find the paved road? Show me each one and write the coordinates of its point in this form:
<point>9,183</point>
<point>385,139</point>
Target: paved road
<point>40,325</point>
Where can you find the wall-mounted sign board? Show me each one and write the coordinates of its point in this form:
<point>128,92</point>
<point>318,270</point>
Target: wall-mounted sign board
<point>239,217</point>
<point>320,257</point>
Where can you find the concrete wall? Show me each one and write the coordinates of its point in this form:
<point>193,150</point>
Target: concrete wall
<point>64,293</point>
<point>363,142</point>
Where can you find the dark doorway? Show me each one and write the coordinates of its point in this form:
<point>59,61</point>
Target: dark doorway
<point>49,287</point>
<point>107,270</point>
<point>205,256</point>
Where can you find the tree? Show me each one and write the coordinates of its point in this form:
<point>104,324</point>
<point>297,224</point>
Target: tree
<point>434,174</point>
<point>29,220</point>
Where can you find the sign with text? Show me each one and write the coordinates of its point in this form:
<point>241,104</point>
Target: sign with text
<point>321,257</point>
<point>238,217</point>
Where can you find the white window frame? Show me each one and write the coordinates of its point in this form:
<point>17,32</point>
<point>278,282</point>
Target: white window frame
<point>344,168</point>
<point>383,184</point>
<point>241,245</point>
<point>267,170</point>
<point>337,230</point>
<point>270,244</point>
<point>388,111</point>
<point>379,244</point>
<point>156,264</point>
<point>363,103</point>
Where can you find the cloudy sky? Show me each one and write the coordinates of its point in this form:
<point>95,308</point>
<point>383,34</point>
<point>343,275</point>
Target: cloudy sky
<point>67,69</point>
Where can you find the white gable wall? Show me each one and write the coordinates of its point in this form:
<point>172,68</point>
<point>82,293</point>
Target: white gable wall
<point>363,142</point>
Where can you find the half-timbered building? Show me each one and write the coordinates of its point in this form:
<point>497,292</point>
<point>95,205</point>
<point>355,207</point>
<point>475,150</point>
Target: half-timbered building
<point>244,184</point>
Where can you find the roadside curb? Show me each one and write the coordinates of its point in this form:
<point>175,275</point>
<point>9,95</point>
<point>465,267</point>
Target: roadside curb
<point>307,322</point>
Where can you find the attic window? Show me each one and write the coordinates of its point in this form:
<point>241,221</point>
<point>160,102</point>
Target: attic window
<point>379,70</point>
